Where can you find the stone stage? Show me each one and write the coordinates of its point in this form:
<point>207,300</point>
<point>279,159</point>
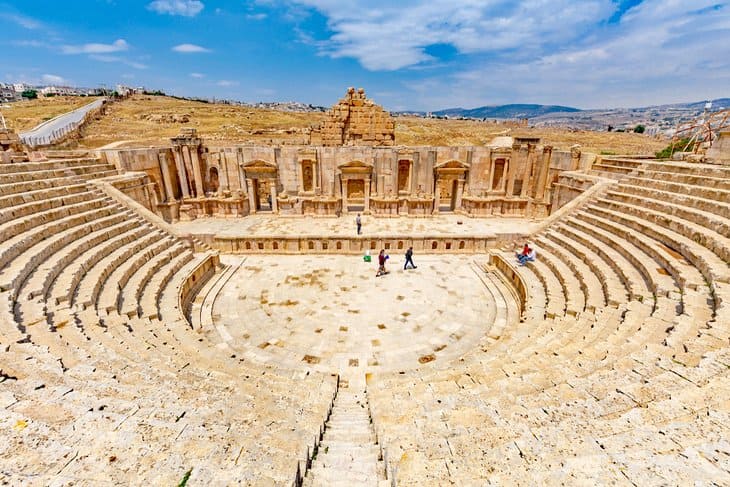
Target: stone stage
<point>330,313</point>
<point>266,233</point>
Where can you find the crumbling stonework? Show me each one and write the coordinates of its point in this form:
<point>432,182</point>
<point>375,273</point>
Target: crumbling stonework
<point>9,140</point>
<point>355,120</point>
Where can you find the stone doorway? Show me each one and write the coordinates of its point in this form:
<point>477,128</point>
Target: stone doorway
<point>447,194</point>
<point>261,177</point>
<point>450,178</point>
<point>262,194</point>
<point>355,194</point>
<point>355,186</point>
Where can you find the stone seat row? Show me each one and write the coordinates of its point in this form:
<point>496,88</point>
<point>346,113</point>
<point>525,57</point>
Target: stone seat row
<point>467,434</point>
<point>86,172</point>
<point>23,167</point>
<point>583,384</point>
<point>173,411</point>
<point>62,271</point>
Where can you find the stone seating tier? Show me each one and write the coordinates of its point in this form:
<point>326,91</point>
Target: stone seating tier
<point>614,367</point>
<point>68,247</point>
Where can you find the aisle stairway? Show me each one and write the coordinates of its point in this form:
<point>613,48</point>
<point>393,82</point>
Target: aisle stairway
<point>349,454</point>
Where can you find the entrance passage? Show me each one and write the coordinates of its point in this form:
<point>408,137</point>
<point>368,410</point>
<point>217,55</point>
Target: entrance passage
<point>262,194</point>
<point>447,194</point>
<point>355,195</point>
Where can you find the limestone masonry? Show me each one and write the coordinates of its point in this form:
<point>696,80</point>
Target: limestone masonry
<point>355,120</point>
<point>204,314</point>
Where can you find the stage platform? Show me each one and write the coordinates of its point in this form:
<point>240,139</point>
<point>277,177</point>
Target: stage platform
<point>265,233</point>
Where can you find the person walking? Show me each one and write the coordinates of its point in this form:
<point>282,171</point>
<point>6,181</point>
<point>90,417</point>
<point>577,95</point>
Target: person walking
<point>409,259</point>
<point>381,263</point>
<point>358,222</point>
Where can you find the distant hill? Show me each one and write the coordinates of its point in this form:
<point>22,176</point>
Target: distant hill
<point>519,110</point>
<point>717,104</point>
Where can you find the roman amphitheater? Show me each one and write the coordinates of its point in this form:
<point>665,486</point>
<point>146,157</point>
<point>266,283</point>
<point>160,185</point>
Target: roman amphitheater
<point>203,313</point>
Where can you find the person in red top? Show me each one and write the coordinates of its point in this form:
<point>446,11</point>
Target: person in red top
<point>381,263</point>
<point>522,256</point>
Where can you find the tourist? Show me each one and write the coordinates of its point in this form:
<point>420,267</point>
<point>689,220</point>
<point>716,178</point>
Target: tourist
<point>528,254</point>
<point>381,263</point>
<point>358,222</point>
<point>524,253</point>
<point>409,259</point>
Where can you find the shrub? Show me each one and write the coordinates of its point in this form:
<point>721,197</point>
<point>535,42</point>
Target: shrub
<point>639,129</point>
<point>675,146</point>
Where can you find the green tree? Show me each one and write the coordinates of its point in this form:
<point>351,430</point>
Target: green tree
<point>30,94</point>
<point>676,146</point>
<point>639,129</point>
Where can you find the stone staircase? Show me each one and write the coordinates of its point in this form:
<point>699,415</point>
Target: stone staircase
<point>349,453</point>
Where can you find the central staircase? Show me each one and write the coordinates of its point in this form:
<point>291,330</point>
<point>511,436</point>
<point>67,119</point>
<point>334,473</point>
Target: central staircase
<point>349,453</point>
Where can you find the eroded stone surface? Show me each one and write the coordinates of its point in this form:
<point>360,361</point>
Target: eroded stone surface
<point>333,314</point>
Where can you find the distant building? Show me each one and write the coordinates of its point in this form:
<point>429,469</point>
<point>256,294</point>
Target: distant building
<point>123,90</point>
<point>8,94</point>
<point>59,91</point>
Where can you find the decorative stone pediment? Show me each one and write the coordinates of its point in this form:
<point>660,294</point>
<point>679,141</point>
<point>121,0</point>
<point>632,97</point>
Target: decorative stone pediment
<point>259,168</point>
<point>452,167</point>
<point>355,167</point>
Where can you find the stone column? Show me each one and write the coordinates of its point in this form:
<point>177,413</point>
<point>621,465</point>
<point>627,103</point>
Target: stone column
<point>366,203</point>
<point>490,178</point>
<point>575,157</point>
<point>251,196</point>
<point>459,193</point>
<point>182,174</point>
<point>528,169</point>
<point>223,179</point>
<point>343,182</point>
<point>436,196</point>
<point>542,177</point>
<point>509,170</point>
<point>195,162</point>
<point>166,178</point>
<point>274,200</point>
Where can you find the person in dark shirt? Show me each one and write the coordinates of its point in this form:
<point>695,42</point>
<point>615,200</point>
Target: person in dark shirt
<point>409,259</point>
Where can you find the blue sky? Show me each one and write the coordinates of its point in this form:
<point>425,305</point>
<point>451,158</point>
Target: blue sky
<point>409,54</point>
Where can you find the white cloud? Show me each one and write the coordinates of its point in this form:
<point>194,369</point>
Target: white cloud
<point>29,43</point>
<point>258,16</point>
<point>53,79</point>
<point>189,48</point>
<point>657,53</point>
<point>104,58</point>
<point>227,83</point>
<point>96,48</point>
<point>186,8</point>
<point>22,20</point>
<point>385,35</point>
<point>197,75</point>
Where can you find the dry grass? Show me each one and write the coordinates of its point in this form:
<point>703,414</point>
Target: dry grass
<point>149,120</point>
<point>420,131</point>
<point>152,120</point>
<point>24,115</point>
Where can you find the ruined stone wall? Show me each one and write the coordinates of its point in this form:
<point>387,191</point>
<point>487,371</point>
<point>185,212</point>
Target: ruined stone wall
<point>479,181</point>
<point>355,120</point>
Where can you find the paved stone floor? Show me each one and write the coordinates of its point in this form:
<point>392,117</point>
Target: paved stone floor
<point>268,225</point>
<point>332,314</point>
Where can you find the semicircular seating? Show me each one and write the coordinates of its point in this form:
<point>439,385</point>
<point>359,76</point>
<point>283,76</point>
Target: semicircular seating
<point>607,360</point>
<point>617,370</point>
<point>100,370</point>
